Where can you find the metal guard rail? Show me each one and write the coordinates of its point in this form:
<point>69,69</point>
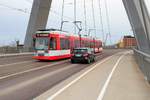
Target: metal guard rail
<point>143,60</point>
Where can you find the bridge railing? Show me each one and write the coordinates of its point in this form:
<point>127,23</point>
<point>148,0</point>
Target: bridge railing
<point>143,60</point>
<point>10,51</point>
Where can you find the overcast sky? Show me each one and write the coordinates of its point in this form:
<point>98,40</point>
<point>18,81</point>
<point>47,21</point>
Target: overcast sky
<point>13,23</point>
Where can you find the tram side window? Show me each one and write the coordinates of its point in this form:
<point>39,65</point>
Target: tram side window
<point>52,43</point>
<point>92,44</point>
<point>34,42</point>
<point>67,44</point>
<point>64,43</point>
<point>95,44</point>
<point>77,43</point>
<point>100,45</point>
<point>84,43</point>
<point>87,44</point>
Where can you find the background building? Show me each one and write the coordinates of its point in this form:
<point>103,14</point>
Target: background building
<point>127,42</point>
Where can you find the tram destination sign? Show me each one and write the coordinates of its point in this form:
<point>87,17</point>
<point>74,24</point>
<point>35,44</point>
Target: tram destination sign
<point>42,35</point>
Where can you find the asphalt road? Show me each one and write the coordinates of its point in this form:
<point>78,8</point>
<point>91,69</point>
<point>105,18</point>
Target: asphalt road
<point>22,78</point>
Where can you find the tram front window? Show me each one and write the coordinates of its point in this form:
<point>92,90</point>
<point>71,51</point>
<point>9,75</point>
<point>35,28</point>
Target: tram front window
<point>41,44</point>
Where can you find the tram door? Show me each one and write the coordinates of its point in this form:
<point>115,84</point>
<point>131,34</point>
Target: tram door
<point>52,44</point>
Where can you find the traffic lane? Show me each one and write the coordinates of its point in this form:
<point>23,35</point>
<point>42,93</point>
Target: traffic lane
<point>15,59</point>
<point>71,90</point>
<point>16,79</point>
<point>9,69</point>
<point>15,68</point>
<point>22,59</point>
<point>19,56</point>
<point>21,85</point>
<point>33,87</point>
<point>28,86</point>
<point>18,59</point>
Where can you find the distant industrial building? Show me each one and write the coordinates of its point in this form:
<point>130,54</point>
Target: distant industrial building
<point>127,42</point>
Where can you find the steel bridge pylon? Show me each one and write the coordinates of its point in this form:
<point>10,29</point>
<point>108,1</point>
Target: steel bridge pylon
<point>38,19</point>
<point>140,21</point>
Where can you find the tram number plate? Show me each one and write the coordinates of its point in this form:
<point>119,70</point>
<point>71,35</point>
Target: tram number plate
<point>41,54</point>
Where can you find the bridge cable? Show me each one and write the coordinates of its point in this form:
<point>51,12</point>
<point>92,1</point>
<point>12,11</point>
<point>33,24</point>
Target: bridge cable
<point>14,8</point>
<point>56,13</point>
<point>62,15</point>
<point>29,1</point>
<point>75,16</point>
<point>101,19</point>
<point>85,18</point>
<point>93,15</point>
<point>108,23</point>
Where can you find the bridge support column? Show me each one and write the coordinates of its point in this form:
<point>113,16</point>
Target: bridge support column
<point>140,21</point>
<point>146,17</point>
<point>38,19</point>
<point>138,16</point>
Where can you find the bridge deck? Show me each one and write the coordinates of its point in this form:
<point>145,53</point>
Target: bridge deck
<point>115,78</point>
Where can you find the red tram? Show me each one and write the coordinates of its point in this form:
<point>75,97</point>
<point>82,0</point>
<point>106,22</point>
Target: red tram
<point>55,45</point>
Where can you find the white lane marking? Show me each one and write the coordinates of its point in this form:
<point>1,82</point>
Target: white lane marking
<point>101,95</point>
<point>17,57</point>
<point>15,63</point>
<point>78,78</point>
<point>34,80</point>
<point>16,54</point>
<point>34,69</point>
